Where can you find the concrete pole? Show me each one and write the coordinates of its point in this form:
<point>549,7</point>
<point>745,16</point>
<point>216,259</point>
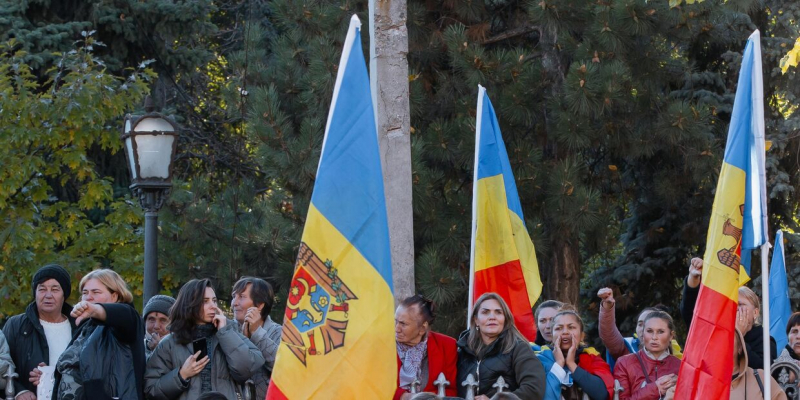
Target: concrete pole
<point>388,66</point>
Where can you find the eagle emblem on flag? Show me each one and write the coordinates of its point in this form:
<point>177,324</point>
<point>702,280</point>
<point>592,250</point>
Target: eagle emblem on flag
<point>317,308</point>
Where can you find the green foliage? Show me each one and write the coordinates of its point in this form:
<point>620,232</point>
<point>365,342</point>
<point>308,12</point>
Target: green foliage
<point>49,129</point>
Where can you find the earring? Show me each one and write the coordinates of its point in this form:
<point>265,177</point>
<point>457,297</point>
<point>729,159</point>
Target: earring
<point>477,328</point>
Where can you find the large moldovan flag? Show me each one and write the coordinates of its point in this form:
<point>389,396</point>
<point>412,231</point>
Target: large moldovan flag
<point>503,258</point>
<point>338,329</point>
<point>738,224</point>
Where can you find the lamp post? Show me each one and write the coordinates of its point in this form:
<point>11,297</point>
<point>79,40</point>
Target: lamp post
<point>150,142</point>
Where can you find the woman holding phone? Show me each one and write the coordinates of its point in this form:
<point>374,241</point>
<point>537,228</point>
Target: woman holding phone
<point>203,352</point>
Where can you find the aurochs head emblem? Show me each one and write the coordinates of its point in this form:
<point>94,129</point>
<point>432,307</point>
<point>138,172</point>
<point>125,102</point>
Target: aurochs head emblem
<point>317,307</point>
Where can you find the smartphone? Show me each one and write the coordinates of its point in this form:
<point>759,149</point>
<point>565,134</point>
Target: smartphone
<point>200,345</point>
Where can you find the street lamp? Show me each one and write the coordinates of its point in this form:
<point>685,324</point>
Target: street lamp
<point>150,141</point>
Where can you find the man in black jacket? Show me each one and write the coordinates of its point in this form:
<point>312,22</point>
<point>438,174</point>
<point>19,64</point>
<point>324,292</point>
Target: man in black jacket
<point>39,336</point>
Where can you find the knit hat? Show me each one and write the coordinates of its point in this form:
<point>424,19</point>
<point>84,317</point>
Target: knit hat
<point>158,303</point>
<point>52,271</point>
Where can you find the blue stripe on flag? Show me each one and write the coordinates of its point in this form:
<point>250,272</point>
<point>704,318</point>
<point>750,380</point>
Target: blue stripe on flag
<point>780,307</point>
<point>349,187</point>
<point>493,158</point>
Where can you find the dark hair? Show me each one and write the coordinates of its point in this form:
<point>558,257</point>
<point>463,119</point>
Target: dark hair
<point>212,396</point>
<point>547,304</point>
<point>260,291</point>
<point>425,306</point>
<point>187,309</point>
<point>794,320</point>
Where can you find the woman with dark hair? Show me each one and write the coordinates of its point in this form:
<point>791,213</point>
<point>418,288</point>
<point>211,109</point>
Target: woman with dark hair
<point>544,314</point>
<point>493,347</point>
<point>576,370</point>
<point>106,357</point>
<point>421,353</point>
<point>176,370</point>
<point>650,372</point>
<point>792,348</point>
<point>251,304</point>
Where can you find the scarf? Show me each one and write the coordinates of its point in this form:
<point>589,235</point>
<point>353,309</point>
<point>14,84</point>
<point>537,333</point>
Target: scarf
<point>411,359</point>
<point>207,331</point>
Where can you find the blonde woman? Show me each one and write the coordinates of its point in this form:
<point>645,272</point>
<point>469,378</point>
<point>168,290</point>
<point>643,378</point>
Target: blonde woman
<point>106,357</point>
<point>493,347</point>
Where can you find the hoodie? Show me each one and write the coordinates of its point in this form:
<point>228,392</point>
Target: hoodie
<point>744,385</point>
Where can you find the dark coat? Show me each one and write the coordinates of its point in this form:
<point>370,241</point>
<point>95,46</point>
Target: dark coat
<point>28,344</point>
<point>520,368</point>
<point>127,327</point>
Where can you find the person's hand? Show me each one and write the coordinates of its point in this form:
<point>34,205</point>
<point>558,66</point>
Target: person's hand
<point>85,310</point>
<point>36,374</point>
<point>558,355</point>
<point>252,320</point>
<point>26,396</point>
<point>192,366</point>
<point>219,320</point>
<point>665,382</point>
<point>606,296</point>
<point>695,272</point>
<point>152,340</point>
<point>744,320</point>
<point>572,353</point>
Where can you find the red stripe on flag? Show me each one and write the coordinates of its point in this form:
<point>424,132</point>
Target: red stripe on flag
<point>708,356</point>
<point>274,393</point>
<point>507,281</point>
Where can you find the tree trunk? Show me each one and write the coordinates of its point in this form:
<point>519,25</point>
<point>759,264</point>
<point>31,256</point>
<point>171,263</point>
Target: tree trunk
<point>389,83</point>
<point>562,278</point>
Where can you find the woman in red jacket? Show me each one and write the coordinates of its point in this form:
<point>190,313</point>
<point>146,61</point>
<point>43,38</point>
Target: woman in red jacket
<point>421,353</point>
<point>652,371</point>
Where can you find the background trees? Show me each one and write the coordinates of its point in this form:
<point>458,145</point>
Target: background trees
<point>614,112</point>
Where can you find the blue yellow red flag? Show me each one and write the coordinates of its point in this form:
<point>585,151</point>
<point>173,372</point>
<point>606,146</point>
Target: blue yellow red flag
<point>738,222</point>
<point>503,257</point>
<point>338,329</point>
<point>780,307</point>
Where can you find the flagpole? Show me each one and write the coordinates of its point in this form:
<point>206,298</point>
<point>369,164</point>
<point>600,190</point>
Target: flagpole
<point>478,121</point>
<point>765,321</point>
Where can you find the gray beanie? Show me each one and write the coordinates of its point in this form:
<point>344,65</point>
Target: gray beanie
<point>158,303</point>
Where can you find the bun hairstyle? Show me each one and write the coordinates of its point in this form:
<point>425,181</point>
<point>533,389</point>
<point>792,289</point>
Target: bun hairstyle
<point>555,304</point>
<point>568,309</point>
<point>425,306</point>
<point>661,315</point>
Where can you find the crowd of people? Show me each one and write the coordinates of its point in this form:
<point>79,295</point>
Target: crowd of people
<point>186,348</point>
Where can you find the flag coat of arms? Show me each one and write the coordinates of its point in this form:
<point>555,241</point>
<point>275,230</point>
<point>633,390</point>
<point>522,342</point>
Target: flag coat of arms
<point>338,329</point>
<point>503,257</point>
<point>738,225</point>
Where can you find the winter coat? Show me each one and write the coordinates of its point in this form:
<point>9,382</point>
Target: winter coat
<point>631,376</point>
<point>267,338</point>
<point>235,359</point>
<point>519,367</point>
<point>28,344</point>
<point>744,386</point>
<point>442,357</point>
<point>5,359</point>
<point>592,377</point>
<point>77,380</point>
<point>753,339</point>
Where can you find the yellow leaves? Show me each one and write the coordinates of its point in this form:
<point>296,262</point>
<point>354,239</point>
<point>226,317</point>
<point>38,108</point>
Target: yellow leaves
<point>767,145</point>
<point>676,3</point>
<point>612,167</point>
<point>791,58</point>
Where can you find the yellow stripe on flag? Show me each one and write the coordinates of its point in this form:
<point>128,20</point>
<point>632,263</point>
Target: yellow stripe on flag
<point>365,367</point>
<point>724,236</point>
<point>501,235</point>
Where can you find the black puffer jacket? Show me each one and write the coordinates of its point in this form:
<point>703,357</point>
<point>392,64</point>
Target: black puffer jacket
<point>28,344</point>
<point>520,368</point>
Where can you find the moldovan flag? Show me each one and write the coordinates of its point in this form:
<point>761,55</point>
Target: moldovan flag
<point>338,329</point>
<point>503,258</point>
<point>738,223</point>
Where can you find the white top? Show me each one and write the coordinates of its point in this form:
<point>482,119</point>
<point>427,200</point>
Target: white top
<point>58,336</point>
